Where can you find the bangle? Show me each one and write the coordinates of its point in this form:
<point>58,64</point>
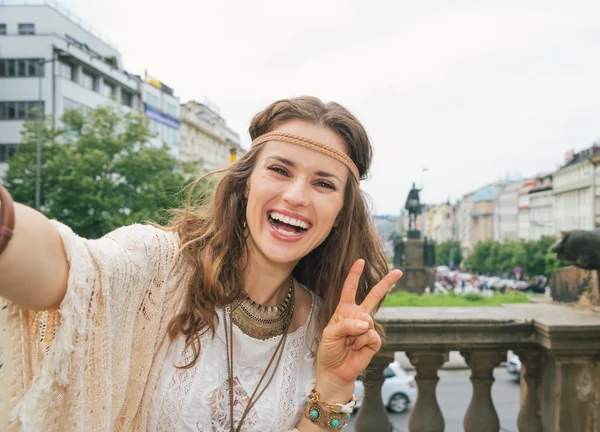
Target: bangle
<point>327,416</point>
<point>7,218</point>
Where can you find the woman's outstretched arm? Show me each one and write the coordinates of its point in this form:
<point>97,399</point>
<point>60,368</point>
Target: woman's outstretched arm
<point>33,267</point>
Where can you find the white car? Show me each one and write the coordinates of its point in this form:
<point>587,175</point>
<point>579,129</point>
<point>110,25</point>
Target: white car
<point>513,365</point>
<point>398,391</point>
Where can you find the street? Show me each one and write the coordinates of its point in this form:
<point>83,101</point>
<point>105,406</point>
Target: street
<point>454,395</point>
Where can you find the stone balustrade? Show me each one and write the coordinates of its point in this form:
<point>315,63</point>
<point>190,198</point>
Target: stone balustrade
<point>559,347</point>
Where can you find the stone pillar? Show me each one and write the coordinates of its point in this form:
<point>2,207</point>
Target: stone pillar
<point>426,415</point>
<point>570,393</point>
<point>481,414</point>
<point>529,415</point>
<point>372,415</point>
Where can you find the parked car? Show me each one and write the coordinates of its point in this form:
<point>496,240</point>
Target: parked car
<point>398,391</point>
<point>513,365</point>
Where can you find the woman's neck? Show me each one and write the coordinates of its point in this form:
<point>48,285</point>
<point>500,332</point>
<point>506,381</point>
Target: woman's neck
<point>266,282</point>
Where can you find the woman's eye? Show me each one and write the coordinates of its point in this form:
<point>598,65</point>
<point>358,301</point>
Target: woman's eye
<point>278,170</point>
<point>325,185</point>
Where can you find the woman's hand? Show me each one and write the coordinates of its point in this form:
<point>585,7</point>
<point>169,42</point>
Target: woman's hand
<point>350,341</point>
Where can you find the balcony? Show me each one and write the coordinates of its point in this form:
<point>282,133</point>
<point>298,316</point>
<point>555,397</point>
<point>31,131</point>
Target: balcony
<point>559,347</point>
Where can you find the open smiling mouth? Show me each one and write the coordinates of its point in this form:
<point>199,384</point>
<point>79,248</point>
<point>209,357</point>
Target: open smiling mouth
<point>286,225</point>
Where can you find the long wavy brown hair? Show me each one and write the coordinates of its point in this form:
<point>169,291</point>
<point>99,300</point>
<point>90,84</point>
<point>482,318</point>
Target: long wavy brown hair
<point>213,244</point>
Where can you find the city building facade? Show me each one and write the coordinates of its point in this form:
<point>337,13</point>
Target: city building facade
<point>483,214</point>
<point>206,140</point>
<point>52,60</point>
<point>443,223</point>
<point>541,218</point>
<point>523,209</point>
<point>506,202</point>
<point>161,106</point>
<point>464,223</point>
<point>424,221</point>
<point>575,194</point>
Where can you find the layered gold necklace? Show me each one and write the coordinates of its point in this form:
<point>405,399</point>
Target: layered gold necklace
<point>259,322</point>
<point>263,322</point>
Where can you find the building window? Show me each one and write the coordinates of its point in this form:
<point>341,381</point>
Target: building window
<point>108,89</point>
<point>172,110</point>
<point>87,81</point>
<point>21,67</point>
<point>2,29</point>
<point>11,68</point>
<point>65,70</point>
<point>127,98</point>
<point>27,29</point>
<point>154,127</point>
<point>33,67</point>
<point>6,151</point>
<point>17,110</point>
<point>152,99</point>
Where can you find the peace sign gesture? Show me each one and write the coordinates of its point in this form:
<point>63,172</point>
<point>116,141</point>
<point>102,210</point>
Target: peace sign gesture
<point>350,341</point>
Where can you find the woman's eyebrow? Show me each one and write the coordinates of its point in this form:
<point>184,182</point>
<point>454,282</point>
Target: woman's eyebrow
<point>291,164</point>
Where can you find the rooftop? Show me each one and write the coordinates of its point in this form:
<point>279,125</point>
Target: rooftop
<point>65,13</point>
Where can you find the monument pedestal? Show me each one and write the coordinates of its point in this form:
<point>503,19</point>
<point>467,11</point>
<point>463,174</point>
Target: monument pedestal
<point>416,279</point>
<point>416,275</point>
<point>414,255</point>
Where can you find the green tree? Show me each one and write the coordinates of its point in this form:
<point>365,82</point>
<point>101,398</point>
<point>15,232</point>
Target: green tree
<point>99,172</point>
<point>476,261</point>
<point>448,251</point>
<point>552,263</point>
<point>533,257</point>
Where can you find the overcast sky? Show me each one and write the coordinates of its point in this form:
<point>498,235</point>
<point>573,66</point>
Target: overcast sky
<point>472,90</point>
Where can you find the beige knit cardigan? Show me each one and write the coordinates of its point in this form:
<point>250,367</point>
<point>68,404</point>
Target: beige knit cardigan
<point>92,364</point>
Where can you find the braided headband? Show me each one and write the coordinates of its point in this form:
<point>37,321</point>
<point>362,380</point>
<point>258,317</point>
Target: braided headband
<point>7,218</point>
<point>310,144</point>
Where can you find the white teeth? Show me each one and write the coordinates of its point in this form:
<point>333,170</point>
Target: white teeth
<point>286,233</point>
<point>289,220</point>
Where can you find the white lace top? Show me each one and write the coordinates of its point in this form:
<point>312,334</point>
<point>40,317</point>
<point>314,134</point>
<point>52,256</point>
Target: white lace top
<point>197,399</point>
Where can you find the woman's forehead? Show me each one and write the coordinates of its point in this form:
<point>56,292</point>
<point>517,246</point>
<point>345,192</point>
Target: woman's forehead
<point>313,131</point>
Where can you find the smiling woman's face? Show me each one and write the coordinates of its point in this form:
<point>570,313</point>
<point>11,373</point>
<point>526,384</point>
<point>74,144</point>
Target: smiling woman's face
<point>294,194</point>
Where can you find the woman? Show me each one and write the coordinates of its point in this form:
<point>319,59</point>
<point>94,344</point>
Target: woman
<point>212,323</point>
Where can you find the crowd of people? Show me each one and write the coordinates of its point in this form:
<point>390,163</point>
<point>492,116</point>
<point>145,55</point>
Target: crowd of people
<point>460,281</point>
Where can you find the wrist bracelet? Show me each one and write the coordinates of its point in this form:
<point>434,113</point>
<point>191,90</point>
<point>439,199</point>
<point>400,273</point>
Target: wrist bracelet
<point>7,218</point>
<point>325,415</point>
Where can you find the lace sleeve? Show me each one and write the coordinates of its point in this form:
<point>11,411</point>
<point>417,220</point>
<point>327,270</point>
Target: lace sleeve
<point>66,360</point>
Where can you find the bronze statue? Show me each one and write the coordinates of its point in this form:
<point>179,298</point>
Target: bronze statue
<point>413,205</point>
<point>579,248</point>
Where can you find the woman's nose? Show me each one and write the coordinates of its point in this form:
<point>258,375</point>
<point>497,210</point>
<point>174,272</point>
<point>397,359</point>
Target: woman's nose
<point>296,193</point>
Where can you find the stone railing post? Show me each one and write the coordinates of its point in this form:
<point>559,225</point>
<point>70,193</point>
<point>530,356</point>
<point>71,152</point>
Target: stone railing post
<point>481,415</point>
<point>372,415</point>
<point>529,419</point>
<point>426,415</point>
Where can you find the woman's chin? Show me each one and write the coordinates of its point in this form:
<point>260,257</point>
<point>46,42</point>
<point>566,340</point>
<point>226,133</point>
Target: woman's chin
<point>281,254</point>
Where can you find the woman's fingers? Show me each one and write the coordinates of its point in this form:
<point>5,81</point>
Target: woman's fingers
<point>367,318</point>
<point>380,290</point>
<point>351,282</point>
<point>346,327</point>
<point>369,339</point>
